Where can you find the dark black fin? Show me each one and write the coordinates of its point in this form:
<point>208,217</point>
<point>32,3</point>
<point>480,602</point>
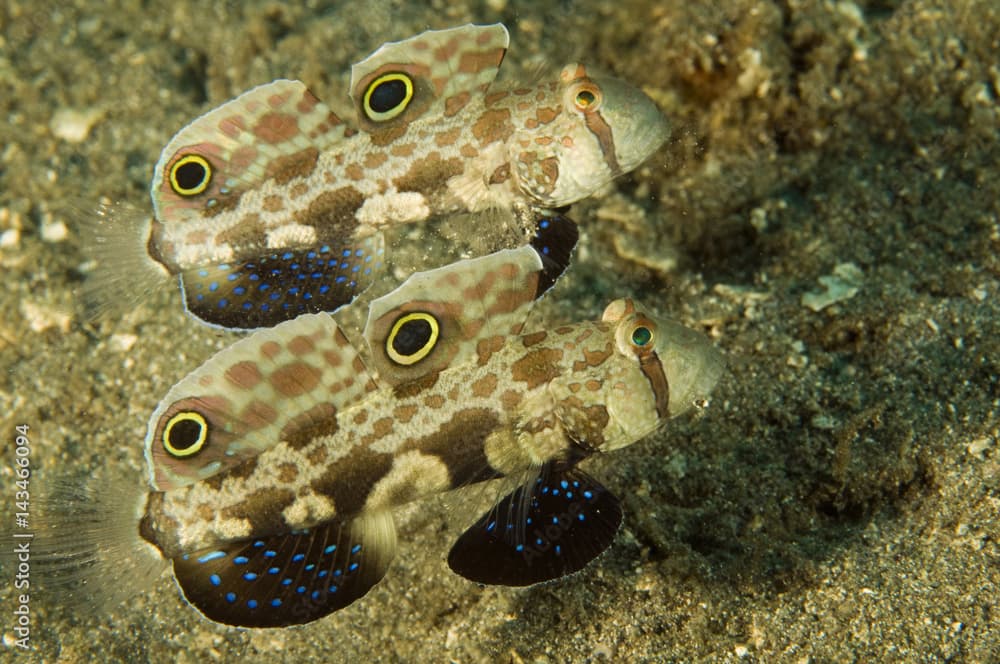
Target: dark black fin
<point>554,239</point>
<point>565,521</point>
<point>271,289</point>
<point>288,579</point>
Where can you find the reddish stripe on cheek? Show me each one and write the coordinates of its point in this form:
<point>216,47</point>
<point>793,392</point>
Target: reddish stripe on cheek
<point>602,131</point>
<point>652,369</point>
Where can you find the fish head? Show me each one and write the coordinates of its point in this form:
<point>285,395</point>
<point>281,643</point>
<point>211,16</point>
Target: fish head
<point>658,369</point>
<point>586,131</point>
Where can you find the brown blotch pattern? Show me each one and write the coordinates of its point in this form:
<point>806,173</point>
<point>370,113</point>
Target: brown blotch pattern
<point>530,340</point>
<point>388,135</point>
<point>354,172</point>
<point>330,210</point>
<point>484,386</point>
<point>587,423</point>
<point>415,387</point>
<point>301,345</point>
<point>287,472</point>
<point>403,150</point>
<point>405,413</point>
<point>299,164</point>
<point>501,174</point>
<point>294,379</point>
<point>375,159</point>
<point>349,480</point>
<point>493,125</point>
<point>510,398</point>
<point>486,347</point>
<point>270,349</point>
<point>537,367</point>
<point>262,509</point>
<point>304,428</point>
<point>257,415</point>
<point>244,375</point>
<point>459,444</point>
<point>446,138</point>
<point>593,358</point>
<point>427,173</point>
<point>249,232</point>
<point>276,127</point>
<point>272,203</point>
<point>456,103</point>
<point>434,401</point>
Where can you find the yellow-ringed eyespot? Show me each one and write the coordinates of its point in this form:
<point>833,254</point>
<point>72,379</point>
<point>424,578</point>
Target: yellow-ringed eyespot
<point>586,97</point>
<point>388,96</point>
<point>190,175</point>
<point>185,434</point>
<point>412,338</point>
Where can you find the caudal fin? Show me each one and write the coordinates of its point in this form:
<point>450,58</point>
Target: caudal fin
<point>115,236</point>
<point>79,545</point>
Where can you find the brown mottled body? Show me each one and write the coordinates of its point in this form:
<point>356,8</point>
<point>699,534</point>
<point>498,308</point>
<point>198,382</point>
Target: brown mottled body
<point>522,401</point>
<point>278,463</point>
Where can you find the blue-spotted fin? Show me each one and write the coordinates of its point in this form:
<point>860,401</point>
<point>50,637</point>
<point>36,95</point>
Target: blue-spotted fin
<point>270,205</point>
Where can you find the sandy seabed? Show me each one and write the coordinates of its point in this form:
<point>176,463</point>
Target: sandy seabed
<point>827,209</point>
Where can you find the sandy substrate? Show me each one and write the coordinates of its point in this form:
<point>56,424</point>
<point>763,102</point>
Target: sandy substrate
<point>827,210</point>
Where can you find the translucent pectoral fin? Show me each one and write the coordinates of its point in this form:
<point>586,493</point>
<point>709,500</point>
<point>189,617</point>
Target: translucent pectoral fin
<point>291,578</point>
<point>549,528</point>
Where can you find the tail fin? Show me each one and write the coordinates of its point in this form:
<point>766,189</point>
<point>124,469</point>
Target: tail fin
<point>80,546</point>
<point>115,235</point>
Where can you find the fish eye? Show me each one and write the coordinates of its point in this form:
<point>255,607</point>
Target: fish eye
<point>587,97</point>
<point>388,96</point>
<point>642,336</point>
<point>185,434</point>
<point>412,338</point>
<point>190,175</point>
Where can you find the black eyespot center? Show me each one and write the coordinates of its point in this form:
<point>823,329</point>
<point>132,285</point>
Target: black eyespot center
<point>387,95</point>
<point>190,175</point>
<point>185,434</point>
<point>412,336</point>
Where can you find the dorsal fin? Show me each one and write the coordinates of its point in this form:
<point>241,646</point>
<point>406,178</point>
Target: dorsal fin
<point>443,317</point>
<point>271,131</point>
<point>434,73</point>
<point>262,389</point>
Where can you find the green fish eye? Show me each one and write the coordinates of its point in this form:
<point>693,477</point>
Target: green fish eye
<point>641,336</point>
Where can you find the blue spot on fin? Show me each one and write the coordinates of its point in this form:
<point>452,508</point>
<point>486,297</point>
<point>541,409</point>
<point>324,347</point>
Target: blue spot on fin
<point>264,290</point>
<point>320,570</point>
<point>551,535</point>
<point>554,240</point>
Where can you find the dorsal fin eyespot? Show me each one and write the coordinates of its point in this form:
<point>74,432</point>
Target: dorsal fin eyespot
<point>427,74</point>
